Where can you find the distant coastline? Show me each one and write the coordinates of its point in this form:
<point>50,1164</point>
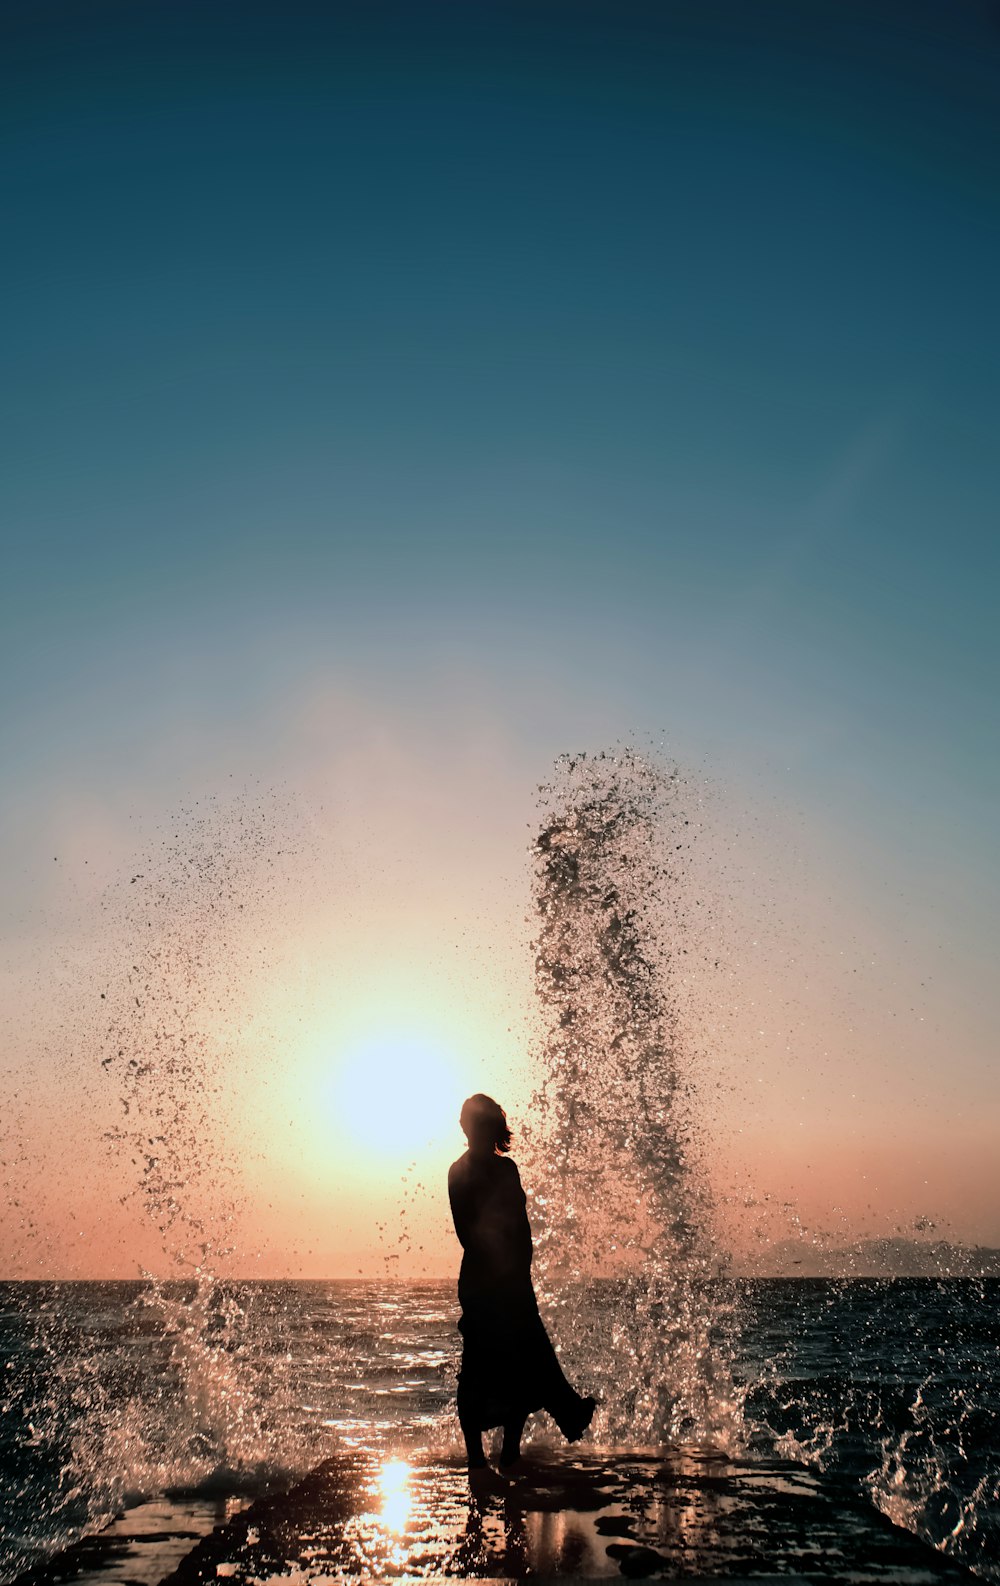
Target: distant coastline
<point>874,1258</point>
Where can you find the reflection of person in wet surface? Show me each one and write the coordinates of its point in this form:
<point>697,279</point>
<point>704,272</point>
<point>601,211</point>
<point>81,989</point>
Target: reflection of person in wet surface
<point>509,1367</point>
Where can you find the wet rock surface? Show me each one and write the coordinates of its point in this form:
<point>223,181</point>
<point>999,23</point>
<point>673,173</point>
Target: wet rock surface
<point>139,1547</point>
<point>691,1512</point>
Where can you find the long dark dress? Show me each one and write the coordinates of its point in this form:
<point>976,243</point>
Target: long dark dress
<point>509,1366</point>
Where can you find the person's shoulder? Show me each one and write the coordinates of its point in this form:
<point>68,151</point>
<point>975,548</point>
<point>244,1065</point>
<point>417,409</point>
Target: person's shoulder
<point>510,1167</point>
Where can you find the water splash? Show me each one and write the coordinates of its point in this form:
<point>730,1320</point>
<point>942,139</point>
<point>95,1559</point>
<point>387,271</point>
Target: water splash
<point>613,1141</point>
<point>181,951</point>
<point>184,932</point>
<point>182,940</point>
<point>893,1385</point>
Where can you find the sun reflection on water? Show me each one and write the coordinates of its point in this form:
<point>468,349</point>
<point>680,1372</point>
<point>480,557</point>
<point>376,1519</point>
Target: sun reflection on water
<point>397,1499</point>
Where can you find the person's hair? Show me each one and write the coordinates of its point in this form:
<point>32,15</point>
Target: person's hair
<point>483,1118</point>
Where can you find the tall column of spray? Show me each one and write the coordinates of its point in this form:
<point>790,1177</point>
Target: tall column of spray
<point>189,934</point>
<point>621,1210</point>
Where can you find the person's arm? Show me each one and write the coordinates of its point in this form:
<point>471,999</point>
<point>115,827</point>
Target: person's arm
<point>521,1223</point>
<point>458,1197</point>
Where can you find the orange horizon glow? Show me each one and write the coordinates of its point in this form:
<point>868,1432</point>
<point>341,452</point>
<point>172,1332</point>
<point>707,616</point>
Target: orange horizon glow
<point>350,1020</point>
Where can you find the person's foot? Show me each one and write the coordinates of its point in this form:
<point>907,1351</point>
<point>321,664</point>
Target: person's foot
<point>485,1482</point>
<point>574,1429</point>
<point>516,1469</point>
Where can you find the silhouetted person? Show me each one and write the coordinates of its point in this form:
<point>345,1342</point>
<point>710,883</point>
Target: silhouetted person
<point>509,1367</point>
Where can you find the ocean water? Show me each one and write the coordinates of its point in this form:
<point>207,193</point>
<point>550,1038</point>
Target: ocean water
<point>117,1392</point>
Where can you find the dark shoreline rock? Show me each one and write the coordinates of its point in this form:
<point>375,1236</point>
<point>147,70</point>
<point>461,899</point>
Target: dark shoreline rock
<point>686,1512</point>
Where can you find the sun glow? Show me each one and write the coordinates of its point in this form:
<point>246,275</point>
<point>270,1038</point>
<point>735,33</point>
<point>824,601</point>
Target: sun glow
<point>396,1093</point>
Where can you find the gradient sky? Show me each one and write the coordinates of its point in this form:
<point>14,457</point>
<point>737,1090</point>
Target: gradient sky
<point>398,396</point>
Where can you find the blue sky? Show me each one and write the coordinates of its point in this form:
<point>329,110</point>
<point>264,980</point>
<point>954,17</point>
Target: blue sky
<point>523,311</point>
<point>608,369</point>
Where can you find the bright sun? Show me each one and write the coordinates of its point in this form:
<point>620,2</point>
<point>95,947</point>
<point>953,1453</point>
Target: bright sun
<point>396,1094</point>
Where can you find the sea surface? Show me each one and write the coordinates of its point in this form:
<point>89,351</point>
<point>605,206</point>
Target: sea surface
<point>121,1392</point>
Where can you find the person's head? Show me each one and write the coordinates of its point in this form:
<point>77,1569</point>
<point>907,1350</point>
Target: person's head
<point>484,1124</point>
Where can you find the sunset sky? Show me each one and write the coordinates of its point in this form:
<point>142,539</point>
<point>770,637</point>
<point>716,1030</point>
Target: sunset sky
<point>398,396</point>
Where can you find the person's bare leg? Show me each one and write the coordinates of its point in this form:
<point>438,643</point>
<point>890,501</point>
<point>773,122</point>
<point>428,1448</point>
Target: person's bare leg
<point>473,1443</point>
<point>511,1447</point>
<point>484,1481</point>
